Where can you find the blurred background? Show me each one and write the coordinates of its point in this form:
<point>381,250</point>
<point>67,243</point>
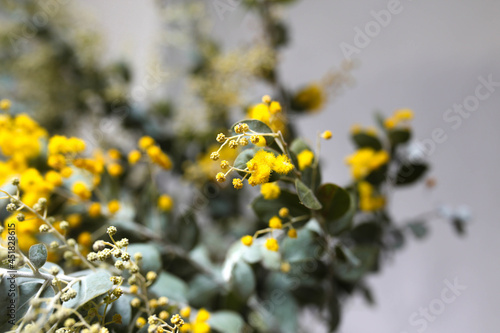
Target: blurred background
<point>430,57</point>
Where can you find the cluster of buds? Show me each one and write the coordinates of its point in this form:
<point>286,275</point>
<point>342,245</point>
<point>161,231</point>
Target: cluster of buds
<point>68,295</point>
<point>244,135</point>
<point>281,221</point>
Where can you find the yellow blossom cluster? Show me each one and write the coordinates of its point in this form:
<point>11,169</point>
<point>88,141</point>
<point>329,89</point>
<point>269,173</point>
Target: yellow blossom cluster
<point>270,113</point>
<point>165,203</point>
<point>148,146</point>
<point>311,97</point>
<point>270,191</point>
<point>20,140</point>
<point>368,200</point>
<point>400,117</point>
<point>199,324</point>
<point>260,166</point>
<point>264,163</point>
<point>275,223</point>
<point>305,158</point>
<point>26,230</point>
<point>366,160</point>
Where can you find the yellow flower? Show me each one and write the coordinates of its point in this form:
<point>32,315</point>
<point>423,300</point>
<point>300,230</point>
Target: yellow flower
<point>356,129</point>
<point>272,244</point>
<point>57,161</point>
<point>283,165</point>
<point>260,166</point>
<point>275,107</point>
<point>367,200</point>
<point>327,135</point>
<point>66,172</point>
<point>59,144</point>
<point>270,191</point>
<point>275,223</point>
<point>185,312</point>
<point>403,114</point>
<point>54,178</point>
<point>292,233</point>
<point>165,203</point>
<point>260,141</point>
<point>247,240</point>
<point>200,327</point>
<point>284,212</point>
<point>380,158</point>
<point>113,206</point>
<point>260,112</point>
<point>114,154</point>
<point>157,156</point>
<point>273,118</point>
<point>140,322</point>
<point>80,189</point>
<point>391,122</point>
<point>25,231</point>
<point>115,169</point>
<point>365,160</point>
<point>220,177</point>
<point>202,315</point>
<point>311,97</point>
<point>85,239</point>
<point>238,183</point>
<point>145,142</point>
<point>94,209</point>
<point>4,104</point>
<point>305,158</point>
<point>134,156</point>
<point>74,220</point>
<point>185,328</point>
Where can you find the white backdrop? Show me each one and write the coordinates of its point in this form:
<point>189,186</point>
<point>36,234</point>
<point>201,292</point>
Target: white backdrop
<point>428,58</point>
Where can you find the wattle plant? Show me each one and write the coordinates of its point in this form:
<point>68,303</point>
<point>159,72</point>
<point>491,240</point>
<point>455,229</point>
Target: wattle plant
<point>156,223</point>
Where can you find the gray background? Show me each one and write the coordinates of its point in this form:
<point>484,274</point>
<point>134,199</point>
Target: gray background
<point>428,58</point>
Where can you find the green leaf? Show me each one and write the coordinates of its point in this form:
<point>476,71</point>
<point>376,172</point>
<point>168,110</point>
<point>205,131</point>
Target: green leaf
<point>270,259</point>
<point>298,145</point>
<point>459,226</point>
<point>202,290</point>
<point>399,136</point>
<point>368,256</point>
<point>285,311</point>
<point>122,307</point>
<point>187,231</point>
<point>151,258</point>
<point>92,284</point>
<point>367,233</point>
<point>265,209</point>
<point>346,255</point>
<point>310,176</point>
<point>243,280</point>
<point>336,202</point>
<point>363,140</point>
<point>257,126</point>
<point>26,292</point>
<point>170,286</point>
<point>226,322</point>
<point>419,229</point>
<point>38,255</point>
<point>409,173</point>
<point>304,247</point>
<point>307,196</point>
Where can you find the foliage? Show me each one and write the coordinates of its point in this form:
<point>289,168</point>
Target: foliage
<point>139,231</point>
